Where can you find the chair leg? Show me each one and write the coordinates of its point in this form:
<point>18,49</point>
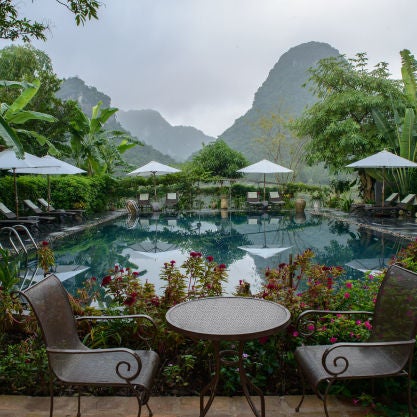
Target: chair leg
<point>326,392</point>
<point>297,409</point>
<point>51,395</point>
<point>410,406</point>
<point>79,403</point>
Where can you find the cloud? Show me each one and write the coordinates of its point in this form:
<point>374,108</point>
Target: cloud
<point>200,62</point>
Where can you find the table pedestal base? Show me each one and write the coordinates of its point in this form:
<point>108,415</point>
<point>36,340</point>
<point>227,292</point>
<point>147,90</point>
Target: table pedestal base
<point>210,388</point>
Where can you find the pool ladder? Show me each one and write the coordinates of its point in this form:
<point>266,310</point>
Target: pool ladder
<point>21,240</point>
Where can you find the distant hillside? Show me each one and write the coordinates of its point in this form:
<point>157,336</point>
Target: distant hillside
<point>282,93</point>
<point>86,96</point>
<point>151,128</point>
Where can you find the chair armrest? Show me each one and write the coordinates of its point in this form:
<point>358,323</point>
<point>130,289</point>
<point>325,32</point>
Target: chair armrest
<point>307,325</point>
<point>146,335</point>
<point>127,367</point>
<point>332,358</point>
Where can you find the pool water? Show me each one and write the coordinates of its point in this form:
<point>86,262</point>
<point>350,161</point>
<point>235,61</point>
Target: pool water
<point>247,244</point>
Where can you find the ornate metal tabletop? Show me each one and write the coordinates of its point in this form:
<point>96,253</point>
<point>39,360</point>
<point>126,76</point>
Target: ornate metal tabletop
<point>228,318</point>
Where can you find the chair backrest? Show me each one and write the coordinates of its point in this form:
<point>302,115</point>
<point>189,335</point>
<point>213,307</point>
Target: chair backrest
<point>143,198</point>
<point>409,199</point>
<point>44,203</point>
<point>32,206</point>
<point>252,195</point>
<point>7,212</point>
<point>395,315</point>
<point>393,198</point>
<point>172,196</point>
<point>50,303</point>
<point>274,195</point>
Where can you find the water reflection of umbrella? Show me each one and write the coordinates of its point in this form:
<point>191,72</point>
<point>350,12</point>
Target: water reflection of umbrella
<point>154,168</point>
<point>154,249</point>
<point>56,167</point>
<point>9,160</point>
<point>383,159</point>
<point>263,250</point>
<point>369,264</point>
<point>265,167</point>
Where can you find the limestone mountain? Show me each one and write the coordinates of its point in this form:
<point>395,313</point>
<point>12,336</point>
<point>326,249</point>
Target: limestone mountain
<point>281,93</point>
<point>87,96</point>
<point>151,128</point>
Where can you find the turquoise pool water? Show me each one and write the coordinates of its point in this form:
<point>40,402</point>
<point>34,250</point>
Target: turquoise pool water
<point>246,244</point>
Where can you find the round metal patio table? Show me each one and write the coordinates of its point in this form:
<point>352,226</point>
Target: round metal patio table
<point>228,318</point>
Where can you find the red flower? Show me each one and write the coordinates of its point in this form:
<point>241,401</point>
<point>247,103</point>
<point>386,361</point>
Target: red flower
<point>106,281</point>
<point>45,243</point>
<point>130,300</point>
<point>222,266</point>
<point>172,262</point>
<point>210,258</point>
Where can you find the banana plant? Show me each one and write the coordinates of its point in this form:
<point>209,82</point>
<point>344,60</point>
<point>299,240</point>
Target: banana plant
<point>401,132</point>
<point>14,115</point>
<point>93,146</point>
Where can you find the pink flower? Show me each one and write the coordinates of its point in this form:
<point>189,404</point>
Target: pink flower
<point>347,295</point>
<point>310,327</point>
<point>368,325</point>
<point>333,339</point>
<point>348,285</point>
<point>295,333</point>
<point>358,322</point>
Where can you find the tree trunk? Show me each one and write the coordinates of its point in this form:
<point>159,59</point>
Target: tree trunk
<point>366,186</point>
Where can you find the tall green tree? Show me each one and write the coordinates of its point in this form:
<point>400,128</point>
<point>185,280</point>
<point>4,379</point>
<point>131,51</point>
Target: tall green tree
<point>13,26</point>
<point>340,124</point>
<point>94,148</point>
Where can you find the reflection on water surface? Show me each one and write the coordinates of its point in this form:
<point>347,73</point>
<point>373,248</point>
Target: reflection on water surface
<point>247,244</point>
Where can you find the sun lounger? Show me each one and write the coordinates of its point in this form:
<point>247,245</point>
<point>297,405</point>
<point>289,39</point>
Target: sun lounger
<point>393,198</point>
<point>144,201</point>
<point>11,217</point>
<point>171,200</point>
<point>275,199</point>
<point>49,208</point>
<point>52,216</point>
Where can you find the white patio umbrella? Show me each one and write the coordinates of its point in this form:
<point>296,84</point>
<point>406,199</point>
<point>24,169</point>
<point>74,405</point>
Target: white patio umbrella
<point>9,161</point>
<point>383,159</point>
<point>154,168</point>
<point>265,167</point>
<point>57,167</point>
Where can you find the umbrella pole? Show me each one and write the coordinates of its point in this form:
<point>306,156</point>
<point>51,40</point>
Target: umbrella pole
<point>154,184</point>
<point>383,186</point>
<point>264,188</point>
<point>15,192</point>
<point>49,191</point>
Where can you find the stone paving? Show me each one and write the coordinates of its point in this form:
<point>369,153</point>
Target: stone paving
<point>21,406</point>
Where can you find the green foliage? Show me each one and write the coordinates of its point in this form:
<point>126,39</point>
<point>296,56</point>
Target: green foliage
<point>24,368</point>
<point>14,27</point>
<point>217,159</point>
<point>340,124</point>
<point>93,147</point>
<point>14,115</point>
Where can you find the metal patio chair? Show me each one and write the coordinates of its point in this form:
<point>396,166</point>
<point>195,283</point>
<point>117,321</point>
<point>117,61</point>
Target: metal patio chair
<point>73,363</point>
<point>387,353</point>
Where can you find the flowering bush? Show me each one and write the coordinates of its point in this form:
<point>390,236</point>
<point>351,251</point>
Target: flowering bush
<point>46,257</point>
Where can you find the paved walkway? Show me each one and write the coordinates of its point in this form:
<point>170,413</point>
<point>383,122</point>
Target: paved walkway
<point>21,406</point>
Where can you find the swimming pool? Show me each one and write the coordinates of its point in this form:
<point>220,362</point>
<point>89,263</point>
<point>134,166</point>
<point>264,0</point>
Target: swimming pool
<point>247,244</point>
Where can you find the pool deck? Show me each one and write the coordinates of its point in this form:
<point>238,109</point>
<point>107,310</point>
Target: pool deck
<point>23,406</point>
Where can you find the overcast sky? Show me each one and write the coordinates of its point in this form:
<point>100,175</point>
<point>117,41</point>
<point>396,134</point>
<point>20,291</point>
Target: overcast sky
<point>200,62</point>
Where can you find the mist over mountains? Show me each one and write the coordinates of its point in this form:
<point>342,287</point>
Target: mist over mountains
<point>281,93</point>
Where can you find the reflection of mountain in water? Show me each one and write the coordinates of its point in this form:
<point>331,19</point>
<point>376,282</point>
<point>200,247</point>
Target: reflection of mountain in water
<point>173,238</point>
